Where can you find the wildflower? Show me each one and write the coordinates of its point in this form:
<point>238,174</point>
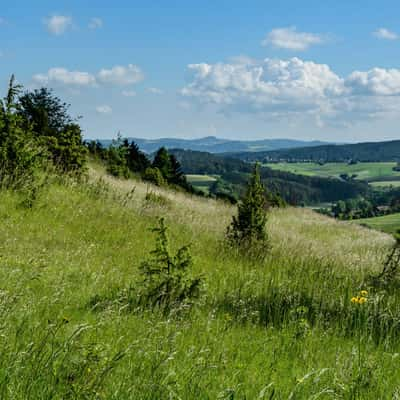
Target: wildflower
<point>364,293</point>
<point>354,299</point>
<point>362,300</point>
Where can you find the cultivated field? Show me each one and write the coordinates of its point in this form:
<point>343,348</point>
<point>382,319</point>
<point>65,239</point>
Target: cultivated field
<point>365,171</point>
<point>201,182</point>
<point>387,223</point>
<point>278,329</point>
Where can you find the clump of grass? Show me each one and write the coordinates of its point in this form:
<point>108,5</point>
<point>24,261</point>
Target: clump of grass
<point>156,199</point>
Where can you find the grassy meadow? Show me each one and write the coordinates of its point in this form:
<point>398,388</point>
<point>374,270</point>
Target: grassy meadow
<point>387,223</point>
<point>282,329</point>
<point>374,171</point>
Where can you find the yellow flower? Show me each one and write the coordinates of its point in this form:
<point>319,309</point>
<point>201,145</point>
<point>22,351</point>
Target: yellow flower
<point>364,293</point>
<point>362,300</point>
<point>354,299</point>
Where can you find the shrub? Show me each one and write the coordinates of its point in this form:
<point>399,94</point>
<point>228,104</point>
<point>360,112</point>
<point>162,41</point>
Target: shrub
<point>154,175</point>
<point>166,279</point>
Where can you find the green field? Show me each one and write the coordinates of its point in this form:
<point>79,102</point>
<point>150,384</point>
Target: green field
<point>387,223</point>
<point>280,328</point>
<point>364,171</point>
<point>201,182</point>
<point>386,184</point>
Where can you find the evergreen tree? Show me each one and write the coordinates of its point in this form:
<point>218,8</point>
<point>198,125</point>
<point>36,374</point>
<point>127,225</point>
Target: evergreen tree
<point>137,161</point>
<point>248,230</point>
<point>167,282</point>
<point>162,161</point>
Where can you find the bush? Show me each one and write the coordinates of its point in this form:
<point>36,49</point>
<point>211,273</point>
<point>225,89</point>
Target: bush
<point>154,175</point>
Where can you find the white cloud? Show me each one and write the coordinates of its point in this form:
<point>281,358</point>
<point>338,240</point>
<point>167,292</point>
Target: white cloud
<point>58,24</point>
<point>128,93</point>
<point>95,23</point>
<point>289,38</point>
<point>105,109</point>
<point>120,75</point>
<point>61,76</point>
<point>383,33</point>
<point>295,88</point>
<point>155,90</point>
<point>376,81</point>
<point>269,84</point>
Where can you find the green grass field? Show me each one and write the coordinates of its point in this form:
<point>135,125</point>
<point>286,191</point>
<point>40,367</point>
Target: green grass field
<point>364,171</point>
<point>284,328</point>
<point>201,182</point>
<point>386,184</point>
<point>387,223</point>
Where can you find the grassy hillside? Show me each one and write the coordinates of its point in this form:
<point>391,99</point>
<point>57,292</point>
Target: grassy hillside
<point>282,329</point>
<point>370,172</point>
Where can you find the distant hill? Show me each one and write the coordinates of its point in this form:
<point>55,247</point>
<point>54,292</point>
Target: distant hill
<point>232,175</point>
<point>365,152</point>
<point>212,144</point>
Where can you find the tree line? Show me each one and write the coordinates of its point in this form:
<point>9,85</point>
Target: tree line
<point>123,158</point>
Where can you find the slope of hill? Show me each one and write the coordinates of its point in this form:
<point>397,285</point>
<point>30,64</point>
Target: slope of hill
<point>213,144</point>
<point>69,270</point>
<point>296,189</point>
<point>365,152</point>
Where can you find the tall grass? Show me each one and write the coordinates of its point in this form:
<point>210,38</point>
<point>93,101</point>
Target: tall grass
<point>284,328</point>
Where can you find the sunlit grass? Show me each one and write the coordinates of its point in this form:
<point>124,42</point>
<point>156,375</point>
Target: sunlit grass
<point>283,328</point>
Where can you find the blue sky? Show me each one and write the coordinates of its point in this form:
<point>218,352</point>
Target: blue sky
<point>257,69</point>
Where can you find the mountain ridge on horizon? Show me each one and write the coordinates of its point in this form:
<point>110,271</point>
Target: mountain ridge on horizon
<point>213,144</point>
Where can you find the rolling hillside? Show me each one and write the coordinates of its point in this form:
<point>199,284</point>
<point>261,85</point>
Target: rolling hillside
<point>364,152</point>
<point>295,189</point>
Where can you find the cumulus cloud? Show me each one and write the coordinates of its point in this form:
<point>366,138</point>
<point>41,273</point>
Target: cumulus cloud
<point>383,33</point>
<point>155,90</point>
<point>95,23</point>
<point>376,81</point>
<point>58,24</point>
<point>291,39</point>
<point>290,88</point>
<point>120,75</point>
<point>105,109</point>
<point>61,76</point>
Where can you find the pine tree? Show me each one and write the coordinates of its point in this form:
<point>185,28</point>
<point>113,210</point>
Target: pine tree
<point>162,161</point>
<point>137,160</point>
<point>167,282</point>
<point>248,228</point>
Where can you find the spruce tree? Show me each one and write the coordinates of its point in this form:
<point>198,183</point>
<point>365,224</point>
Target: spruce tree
<point>248,228</point>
